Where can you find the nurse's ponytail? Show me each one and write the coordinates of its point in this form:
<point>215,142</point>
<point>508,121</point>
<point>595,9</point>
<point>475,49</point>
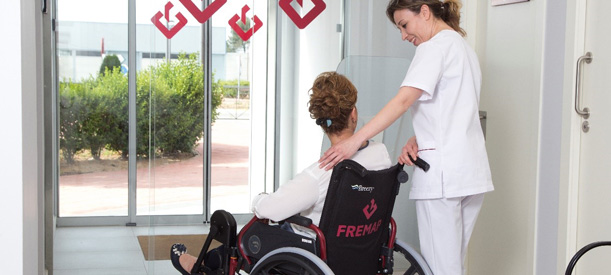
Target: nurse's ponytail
<point>450,13</point>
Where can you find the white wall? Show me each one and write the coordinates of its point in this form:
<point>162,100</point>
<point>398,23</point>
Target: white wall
<point>11,196</point>
<point>22,154</point>
<point>510,47</point>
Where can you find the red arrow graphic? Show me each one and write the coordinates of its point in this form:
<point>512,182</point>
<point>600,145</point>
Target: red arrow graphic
<point>300,22</point>
<point>245,35</point>
<point>370,209</point>
<point>203,16</point>
<point>169,33</point>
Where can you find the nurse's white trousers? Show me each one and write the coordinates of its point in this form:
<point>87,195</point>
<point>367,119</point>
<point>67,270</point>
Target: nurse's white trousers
<point>445,226</point>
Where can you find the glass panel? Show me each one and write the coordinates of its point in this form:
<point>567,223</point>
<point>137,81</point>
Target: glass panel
<point>234,64</point>
<point>376,61</point>
<point>369,73</point>
<point>170,110</point>
<point>171,85</point>
<point>91,57</point>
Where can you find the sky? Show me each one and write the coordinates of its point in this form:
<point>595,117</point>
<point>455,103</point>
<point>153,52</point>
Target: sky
<point>116,11</point>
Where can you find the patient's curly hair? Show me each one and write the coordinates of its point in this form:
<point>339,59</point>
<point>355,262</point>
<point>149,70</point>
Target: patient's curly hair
<point>332,98</point>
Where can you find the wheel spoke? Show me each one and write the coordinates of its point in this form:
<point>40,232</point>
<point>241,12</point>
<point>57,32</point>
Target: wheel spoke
<point>411,270</point>
<point>288,264</point>
<point>415,265</point>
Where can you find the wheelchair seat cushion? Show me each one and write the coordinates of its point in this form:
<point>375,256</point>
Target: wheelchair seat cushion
<point>262,238</point>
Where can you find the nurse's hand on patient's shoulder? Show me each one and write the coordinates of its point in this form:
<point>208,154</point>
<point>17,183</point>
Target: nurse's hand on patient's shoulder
<point>338,152</point>
<point>411,148</point>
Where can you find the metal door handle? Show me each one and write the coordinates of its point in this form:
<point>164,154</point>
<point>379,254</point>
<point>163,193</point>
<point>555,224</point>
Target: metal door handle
<point>585,112</point>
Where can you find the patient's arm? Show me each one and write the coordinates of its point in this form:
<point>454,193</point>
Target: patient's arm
<point>292,198</point>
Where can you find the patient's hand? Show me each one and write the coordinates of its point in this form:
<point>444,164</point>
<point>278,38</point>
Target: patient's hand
<point>411,148</point>
<point>338,152</point>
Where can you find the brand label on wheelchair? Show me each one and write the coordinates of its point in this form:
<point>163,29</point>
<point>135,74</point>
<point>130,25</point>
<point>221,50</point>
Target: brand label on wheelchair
<point>306,241</point>
<point>361,188</point>
<point>254,244</point>
<point>358,230</point>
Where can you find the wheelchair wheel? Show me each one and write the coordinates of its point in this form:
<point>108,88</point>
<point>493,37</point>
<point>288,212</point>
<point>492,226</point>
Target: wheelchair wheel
<point>417,264</point>
<point>291,260</point>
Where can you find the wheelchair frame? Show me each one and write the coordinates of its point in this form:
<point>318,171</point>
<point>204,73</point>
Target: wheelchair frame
<point>223,228</point>
<point>581,252</point>
<point>298,254</point>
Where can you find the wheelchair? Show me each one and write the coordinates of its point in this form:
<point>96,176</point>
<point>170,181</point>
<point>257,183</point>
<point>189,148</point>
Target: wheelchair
<point>581,252</point>
<point>356,234</point>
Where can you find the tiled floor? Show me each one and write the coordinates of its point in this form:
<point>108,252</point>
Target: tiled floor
<point>110,250</point>
<point>114,250</point>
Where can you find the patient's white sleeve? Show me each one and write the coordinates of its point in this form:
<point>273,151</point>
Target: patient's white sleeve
<point>291,198</point>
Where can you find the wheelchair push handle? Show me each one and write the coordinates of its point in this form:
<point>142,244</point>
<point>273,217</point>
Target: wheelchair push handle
<point>420,163</point>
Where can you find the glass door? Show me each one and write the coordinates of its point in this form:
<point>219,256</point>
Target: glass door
<point>239,63</point>
<point>171,97</point>
<point>155,114</point>
<point>210,49</point>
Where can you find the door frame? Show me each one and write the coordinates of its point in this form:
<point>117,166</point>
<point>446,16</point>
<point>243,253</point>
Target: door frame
<point>576,42</point>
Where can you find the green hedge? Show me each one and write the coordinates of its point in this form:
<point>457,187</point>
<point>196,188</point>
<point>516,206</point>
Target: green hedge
<point>169,104</point>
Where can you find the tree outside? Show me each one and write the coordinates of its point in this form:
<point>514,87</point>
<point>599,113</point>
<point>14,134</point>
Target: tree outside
<point>235,42</point>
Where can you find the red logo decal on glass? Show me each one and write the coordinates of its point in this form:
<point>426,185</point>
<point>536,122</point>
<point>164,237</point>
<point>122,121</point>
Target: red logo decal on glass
<point>370,209</point>
<point>302,22</point>
<point>169,33</point>
<point>203,16</point>
<point>245,35</point>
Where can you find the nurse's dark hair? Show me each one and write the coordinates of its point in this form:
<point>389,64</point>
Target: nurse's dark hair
<point>332,98</point>
<point>448,10</point>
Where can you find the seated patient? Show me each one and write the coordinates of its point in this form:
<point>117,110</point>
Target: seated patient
<point>333,105</point>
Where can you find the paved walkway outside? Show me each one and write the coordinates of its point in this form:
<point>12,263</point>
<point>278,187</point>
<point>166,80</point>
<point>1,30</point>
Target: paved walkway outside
<point>173,188</point>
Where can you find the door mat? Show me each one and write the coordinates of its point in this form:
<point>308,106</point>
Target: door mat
<point>157,247</point>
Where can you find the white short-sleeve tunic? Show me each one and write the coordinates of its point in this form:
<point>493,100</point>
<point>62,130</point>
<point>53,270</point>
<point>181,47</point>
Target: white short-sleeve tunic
<point>446,119</point>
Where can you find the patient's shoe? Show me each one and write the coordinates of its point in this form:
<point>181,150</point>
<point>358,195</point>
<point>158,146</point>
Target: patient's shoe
<point>176,251</point>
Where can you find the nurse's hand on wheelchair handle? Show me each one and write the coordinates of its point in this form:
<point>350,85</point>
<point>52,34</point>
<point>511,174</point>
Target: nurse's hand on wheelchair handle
<point>421,163</point>
<point>409,152</point>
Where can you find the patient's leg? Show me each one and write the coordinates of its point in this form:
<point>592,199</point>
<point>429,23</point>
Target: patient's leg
<point>187,261</point>
<point>182,261</point>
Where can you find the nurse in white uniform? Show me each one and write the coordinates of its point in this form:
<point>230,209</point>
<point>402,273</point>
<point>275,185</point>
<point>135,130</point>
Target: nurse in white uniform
<point>442,85</point>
